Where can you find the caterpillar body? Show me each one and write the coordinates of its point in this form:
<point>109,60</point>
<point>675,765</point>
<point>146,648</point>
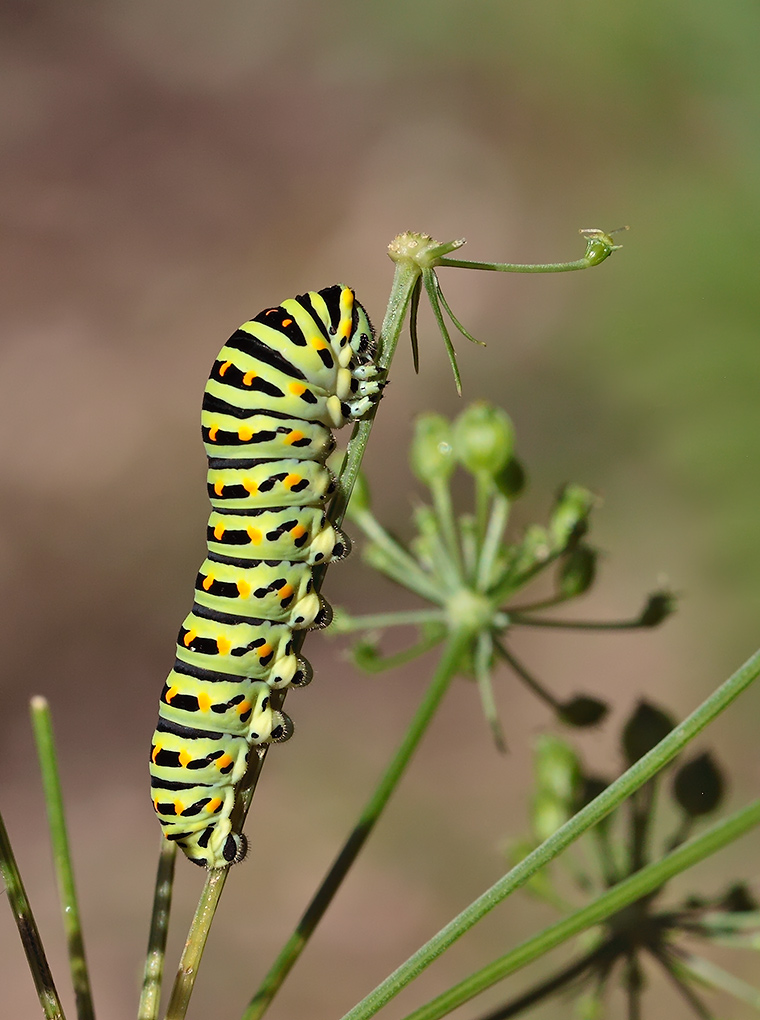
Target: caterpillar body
<point>278,387</point>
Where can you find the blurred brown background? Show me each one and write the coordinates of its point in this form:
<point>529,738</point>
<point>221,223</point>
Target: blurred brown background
<point>168,169</point>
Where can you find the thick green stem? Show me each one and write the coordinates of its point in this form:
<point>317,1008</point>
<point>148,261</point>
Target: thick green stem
<point>374,807</point>
<point>195,944</point>
<point>588,816</point>
<point>27,929</point>
<point>64,871</point>
<point>650,878</point>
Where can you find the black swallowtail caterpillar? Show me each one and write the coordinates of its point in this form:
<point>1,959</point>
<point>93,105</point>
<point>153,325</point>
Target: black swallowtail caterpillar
<point>279,385</point>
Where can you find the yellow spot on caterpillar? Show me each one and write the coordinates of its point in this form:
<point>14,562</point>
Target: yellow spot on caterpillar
<point>254,534</point>
<point>155,805</point>
<point>219,486</point>
<point>298,531</point>
<point>294,437</point>
<point>297,389</point>
<point>264,650</point>
<point>212,433</point>
<point>250,486</point>
<point>248,378</point>
<point>188,639</point>
<point>291,480</point>
<point>223,368</point>
<point>317,343</point>
<point>156,751</point>
<point>171,693</point>
<point>286,591</point>
<point>287,322</point>
<point>204,702</point>
<point>223,645</point>
<point>245,433</point>
<point>178,807</point>
<point>243,707</point>
<point>223,762</point>
<point>213,805</point>
<point>219,531</point>
<point>185,758</point>
<point>243,588</point>
<point>208,580</point>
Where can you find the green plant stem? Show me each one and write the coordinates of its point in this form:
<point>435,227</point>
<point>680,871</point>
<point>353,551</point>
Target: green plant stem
<point>497,522</point>
<point>588,816</point>
<point>599,246</point>
<point>64,871</point>
<point>150,995</point>
<point>650,878</point>
<point>516,616</point>
<point>444,510</point>
<point>27,929</point>
<point>404,279</point>
<point>392,559</point>
<point>374,807</point>
<point>709,973</point>
<point>380,621</point>
<point>527,677</point>
<point>196,943</point>
<point>380,664</point>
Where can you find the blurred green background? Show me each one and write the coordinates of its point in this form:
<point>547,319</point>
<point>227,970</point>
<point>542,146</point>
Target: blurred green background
<point>169,168</point>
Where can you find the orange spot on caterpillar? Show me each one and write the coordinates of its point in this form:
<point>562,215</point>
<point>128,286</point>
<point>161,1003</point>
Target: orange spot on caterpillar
<point>286,591</point>
<point>218,531</point>
<point>213,805</point>
<point>219,486</point>
<point>223,368</point>
<point>290,480</point>
<point>250,486</point>
<point>179,807</point>
<point>204,702</point>
<point>185,758</point>
<point>208,581</point>
<point>245,433</point>
<point>254,534</point>
<point>298,531</point>
<point>212,433</point>
<point>223,645</point>
<point>156,751</point>
<point>188,639</point>
<point>243,707</point>
<point>317,343</point>
<point>224,762</point>
<point>248,378</point>
<point>287,322</point>
<point>171,693</point>
<point>297,389</point>
<point>264,650</point>
<point>294,437</point>
<point>243,588</point>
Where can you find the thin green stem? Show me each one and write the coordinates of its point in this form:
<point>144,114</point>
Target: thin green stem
<point>345,624</point>
<point>43,734</point>
<point>483,660</point>
<point>516,616</point>
<point>380,664</point>
<point>430,280</point>
<point>444,511</point>
<point>650,878</point>
<point>599,246</point>
<point>27,929</point>
<point>150,995</point>
<point>497,522</point>
<point>692,999</point>
<point>396,562</point>
<point>588,816</point>
<point>709,973</point>
<point>374,807</point>
<point>527,677</point>
<point>484,487</point>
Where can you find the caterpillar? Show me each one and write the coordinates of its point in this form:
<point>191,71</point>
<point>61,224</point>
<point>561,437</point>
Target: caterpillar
<point>278,387</point>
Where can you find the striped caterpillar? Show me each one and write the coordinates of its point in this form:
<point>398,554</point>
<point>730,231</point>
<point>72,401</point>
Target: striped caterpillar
<point>280,384</point>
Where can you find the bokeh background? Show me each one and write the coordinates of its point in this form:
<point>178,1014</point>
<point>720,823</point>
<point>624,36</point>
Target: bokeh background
<point>170,167</point>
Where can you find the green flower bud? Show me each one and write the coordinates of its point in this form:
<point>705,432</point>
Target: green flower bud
<point>557,769</point>
<point>484,438</point>
<point>432,452</point>
<point>569,520</point>
<point>659,606</point>
<point>577,571</point>
<point>547,815</point>
<point>512,479</point>
<point>699,786</point>
<point>647,727</point>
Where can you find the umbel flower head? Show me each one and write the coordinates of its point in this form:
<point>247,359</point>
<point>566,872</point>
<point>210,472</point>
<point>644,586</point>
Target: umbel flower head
<point>646,932</point>
<point>469,572</point>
